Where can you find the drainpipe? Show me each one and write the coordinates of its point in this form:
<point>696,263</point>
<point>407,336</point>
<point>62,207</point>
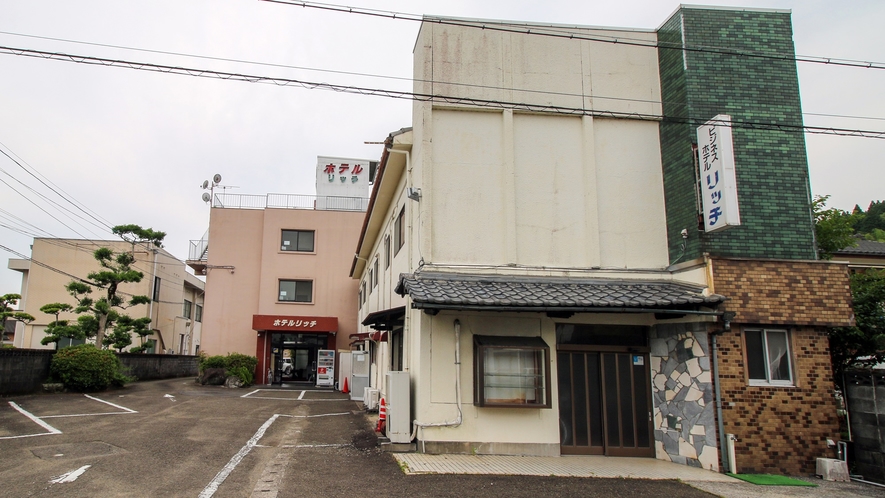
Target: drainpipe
<point>454,423</point>
<point>723,440</point>
<point>153,282</point>
<point>407,329</point>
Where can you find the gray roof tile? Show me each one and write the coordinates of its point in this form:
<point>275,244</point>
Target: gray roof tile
<point>496,292</point>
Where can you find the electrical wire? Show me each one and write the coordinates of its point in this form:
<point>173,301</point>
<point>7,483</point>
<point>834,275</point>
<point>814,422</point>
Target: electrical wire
<point>434,98</point>
<point>370,75</point>
<point>563,32</point>
<point>53,187</point>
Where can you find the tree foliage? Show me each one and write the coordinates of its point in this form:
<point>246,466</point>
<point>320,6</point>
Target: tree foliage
<point>7,301</point>
<point>863,344</point>
<point>833,228</point>
<point>98,315</point>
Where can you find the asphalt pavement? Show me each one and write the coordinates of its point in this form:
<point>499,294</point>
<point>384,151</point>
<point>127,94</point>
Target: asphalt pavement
<point>177,438</point>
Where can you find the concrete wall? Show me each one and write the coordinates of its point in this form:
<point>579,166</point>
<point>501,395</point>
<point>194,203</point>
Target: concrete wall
<point>23,371</point>
<point>160,366</point>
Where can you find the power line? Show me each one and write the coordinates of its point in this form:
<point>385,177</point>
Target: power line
<point>380,76</point>
<point>435,98</point>
<point>53,187</point>
<point>563,32</point>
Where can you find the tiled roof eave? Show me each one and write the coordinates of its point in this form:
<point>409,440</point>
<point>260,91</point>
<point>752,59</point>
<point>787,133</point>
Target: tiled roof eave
<point>694,310</point>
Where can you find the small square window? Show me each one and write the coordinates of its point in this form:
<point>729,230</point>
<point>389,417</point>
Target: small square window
<point>297,240</point>
<point>511,372</point>
<point>768,357</point>
<point>296,291</point>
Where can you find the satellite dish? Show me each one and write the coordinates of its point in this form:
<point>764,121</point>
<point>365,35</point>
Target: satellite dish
<point>206,197</point>
<point>216,179</point>
<point>205,184</point>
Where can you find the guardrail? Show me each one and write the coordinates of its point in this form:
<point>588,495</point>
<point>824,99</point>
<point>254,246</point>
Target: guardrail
<point>289,201</point>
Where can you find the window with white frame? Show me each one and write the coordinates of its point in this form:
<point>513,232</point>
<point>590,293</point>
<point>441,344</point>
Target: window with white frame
<point>375,273</point>
<point>768,357</point>
<point>386,252</point>
<point>511,372</point>
<point>296,291</point>
<point>297,240</point>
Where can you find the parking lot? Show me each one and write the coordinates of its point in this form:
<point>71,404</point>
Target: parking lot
<point>177,438</point>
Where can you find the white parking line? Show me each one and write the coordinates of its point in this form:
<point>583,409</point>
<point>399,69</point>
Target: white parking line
<point>302,395</point>
<point>109,403</point>
<point>250,394</point>
<point>235,460</point>
<point>36,420</point>
<point>53,430</point>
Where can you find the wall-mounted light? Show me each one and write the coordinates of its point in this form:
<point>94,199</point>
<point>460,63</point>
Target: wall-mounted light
<point>413,193</point>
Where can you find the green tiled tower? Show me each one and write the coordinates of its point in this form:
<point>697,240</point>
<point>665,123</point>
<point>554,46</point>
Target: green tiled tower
<point>710,64</point>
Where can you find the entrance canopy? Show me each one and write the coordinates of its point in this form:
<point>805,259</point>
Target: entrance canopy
<point>553,295</point>
<point>386,319</point>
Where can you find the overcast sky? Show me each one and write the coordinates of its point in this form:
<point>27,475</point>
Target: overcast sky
<point>134,146</point>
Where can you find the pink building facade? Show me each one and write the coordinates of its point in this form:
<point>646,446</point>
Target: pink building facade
<point>277,282</point>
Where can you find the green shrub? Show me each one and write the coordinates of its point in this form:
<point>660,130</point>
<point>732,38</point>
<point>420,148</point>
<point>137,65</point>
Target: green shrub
<point>87,368</point>
<point>237,360</point>
<point>244,375</point>
<point>212,362</point>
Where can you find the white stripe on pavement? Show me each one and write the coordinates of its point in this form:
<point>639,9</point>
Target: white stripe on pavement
<point>36,420</point>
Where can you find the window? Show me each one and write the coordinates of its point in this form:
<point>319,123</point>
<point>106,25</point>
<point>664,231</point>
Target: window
<point>187,309</point>
<point>297,240</point>
<point>375,273</point>
<point>156,289</point>
<point>370,279</point>
<point>386,252</point>
<point>198,316</point>
<point>361,299</point>
<point>363,293</point>
<point>399,231</point>
<point>511,371</point>
<point>768,357</point>
<point>296,291</point>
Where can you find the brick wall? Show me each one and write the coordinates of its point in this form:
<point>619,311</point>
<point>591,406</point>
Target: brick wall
<point>784,292</point>
<point>780,430</point>
<point>771,165</point>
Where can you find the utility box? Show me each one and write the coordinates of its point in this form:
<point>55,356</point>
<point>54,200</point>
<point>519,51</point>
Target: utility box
<point>370,399</point>
<point>831,469</point>
<point>399,407</point>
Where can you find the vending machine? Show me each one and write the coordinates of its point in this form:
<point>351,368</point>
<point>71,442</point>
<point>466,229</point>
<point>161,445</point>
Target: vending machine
<point>325,368</point>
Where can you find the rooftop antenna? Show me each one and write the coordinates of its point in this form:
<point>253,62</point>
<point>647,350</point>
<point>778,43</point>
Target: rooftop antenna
<point>210,186</point>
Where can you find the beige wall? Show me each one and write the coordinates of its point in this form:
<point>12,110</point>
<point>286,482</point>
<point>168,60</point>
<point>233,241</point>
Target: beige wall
<point>249,242</point>
<point>42,285</point>
<point>517,192</point>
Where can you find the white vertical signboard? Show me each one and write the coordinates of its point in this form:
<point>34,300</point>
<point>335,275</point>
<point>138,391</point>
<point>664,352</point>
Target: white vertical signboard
<point>716,166</point>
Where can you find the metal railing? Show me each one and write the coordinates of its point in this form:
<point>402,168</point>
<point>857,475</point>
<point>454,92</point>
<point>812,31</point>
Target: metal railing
<point>199,249</point>
<point>289,201</point>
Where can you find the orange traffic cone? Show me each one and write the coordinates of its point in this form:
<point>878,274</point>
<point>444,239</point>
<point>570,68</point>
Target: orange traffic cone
<point>344,389</point>
<point>382,416</point>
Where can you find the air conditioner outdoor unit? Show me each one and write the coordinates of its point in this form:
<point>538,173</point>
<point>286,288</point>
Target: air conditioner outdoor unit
<point>370,398</point>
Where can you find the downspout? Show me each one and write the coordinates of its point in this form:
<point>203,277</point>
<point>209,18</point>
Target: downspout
<point>153,291</point>
<point>727,317</point>
<point>454,423</point>
<point>407,329</point>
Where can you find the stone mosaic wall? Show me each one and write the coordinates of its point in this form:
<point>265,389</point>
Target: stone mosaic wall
<point>684,409</point>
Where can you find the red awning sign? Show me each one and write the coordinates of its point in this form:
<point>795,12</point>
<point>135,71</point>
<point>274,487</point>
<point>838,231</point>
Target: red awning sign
<point>295,323</point>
